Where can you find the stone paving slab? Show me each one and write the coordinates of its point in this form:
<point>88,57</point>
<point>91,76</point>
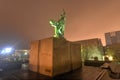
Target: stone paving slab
<point>86,73</point>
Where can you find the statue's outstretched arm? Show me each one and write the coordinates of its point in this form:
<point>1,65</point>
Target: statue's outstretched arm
<point>53,23</point>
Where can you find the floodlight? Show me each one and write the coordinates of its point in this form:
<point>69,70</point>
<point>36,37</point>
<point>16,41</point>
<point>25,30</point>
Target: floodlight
<point>6,50</point>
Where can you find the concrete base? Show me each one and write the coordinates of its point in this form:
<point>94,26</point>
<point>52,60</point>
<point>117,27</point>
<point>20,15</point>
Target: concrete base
<point>54,56</point>
<point>33,58</point>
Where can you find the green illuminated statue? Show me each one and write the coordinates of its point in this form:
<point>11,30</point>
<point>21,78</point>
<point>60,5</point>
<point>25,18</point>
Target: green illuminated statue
<point>59,26</point>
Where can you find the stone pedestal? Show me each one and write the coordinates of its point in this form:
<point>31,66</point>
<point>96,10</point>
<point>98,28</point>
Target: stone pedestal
<point>54,56</point>
<point>33,58</point>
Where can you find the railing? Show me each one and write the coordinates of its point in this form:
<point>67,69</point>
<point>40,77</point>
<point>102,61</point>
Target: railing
<point>101,75</point>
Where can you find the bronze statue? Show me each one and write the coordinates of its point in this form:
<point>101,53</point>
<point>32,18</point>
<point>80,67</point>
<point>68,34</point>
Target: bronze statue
<point>59,26</point>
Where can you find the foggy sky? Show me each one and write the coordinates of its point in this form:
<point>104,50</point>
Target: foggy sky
<point>22,21</point>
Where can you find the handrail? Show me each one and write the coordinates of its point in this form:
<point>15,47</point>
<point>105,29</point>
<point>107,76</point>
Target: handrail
<point>100,75</point>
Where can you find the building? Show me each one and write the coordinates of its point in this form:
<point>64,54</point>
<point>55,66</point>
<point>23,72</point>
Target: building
<point>91,48</point>
<point>112,37</point>
<point>113,44</point>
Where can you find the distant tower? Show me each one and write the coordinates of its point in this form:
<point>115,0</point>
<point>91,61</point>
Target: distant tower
<point>112,37</point>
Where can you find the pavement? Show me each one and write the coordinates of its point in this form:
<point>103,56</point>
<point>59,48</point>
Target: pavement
<point>86,73</point>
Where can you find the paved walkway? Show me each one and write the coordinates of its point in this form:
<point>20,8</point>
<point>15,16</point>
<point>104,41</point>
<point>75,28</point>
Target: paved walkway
<point>86,73</point>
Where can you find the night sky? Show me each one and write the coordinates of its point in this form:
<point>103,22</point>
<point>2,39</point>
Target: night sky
<point>22,21</point>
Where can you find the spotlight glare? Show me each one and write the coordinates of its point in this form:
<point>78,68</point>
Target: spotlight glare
<point>6,50</point>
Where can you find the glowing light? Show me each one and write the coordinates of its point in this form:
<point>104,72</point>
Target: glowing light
<point>110,58</point>
<point>25,53</point>
<point>6,50</point>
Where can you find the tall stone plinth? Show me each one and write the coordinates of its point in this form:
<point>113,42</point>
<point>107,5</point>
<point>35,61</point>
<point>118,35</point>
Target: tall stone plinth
<point>54,56</point>
<point>33,58</point>
<point>75,52</point>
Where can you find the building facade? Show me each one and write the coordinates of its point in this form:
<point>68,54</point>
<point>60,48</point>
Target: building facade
<point>113,44</point>
<point>112,37</point>
<point>91,48</point>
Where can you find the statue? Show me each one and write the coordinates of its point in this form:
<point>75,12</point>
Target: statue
<point>59,26</point>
